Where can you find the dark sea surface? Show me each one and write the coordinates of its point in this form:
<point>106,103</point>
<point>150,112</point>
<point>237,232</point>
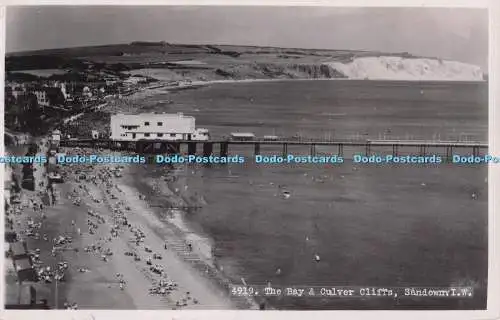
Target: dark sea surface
<point>372,225</point>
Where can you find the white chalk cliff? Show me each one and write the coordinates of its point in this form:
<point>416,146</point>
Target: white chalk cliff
<point>411,69</point>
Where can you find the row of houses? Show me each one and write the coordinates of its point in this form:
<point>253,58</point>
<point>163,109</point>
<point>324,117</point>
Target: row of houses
<point>95,86</point>
<point>20,274</point>
<point>40,90</point>
<point>60,93</point>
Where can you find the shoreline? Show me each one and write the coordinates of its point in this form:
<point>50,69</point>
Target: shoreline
<point>163,86</point>
<point>173,221</point>
<point>336,79</point>
<point>196,83</point>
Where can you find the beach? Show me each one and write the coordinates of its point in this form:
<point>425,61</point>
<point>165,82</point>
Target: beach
<point>113,240</point>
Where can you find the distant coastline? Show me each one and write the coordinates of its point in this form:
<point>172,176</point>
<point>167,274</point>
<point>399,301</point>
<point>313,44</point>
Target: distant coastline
<point>213,63</point>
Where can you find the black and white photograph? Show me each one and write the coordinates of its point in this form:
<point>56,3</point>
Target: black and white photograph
<point>246,158</point>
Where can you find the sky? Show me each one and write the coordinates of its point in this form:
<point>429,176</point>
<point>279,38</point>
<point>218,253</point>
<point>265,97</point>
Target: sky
<point>450,33</point>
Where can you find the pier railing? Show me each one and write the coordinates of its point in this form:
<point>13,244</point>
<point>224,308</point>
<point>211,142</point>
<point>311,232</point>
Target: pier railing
<point>341,148</point>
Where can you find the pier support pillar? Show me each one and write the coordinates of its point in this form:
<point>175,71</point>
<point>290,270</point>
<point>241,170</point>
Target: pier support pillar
<point>367,150</point>
<point>192,148</point>
<point>395,150</point>
<point>131,146</point>
<point>341,150</point>
<point>422,150</point>
<point>475,151</point>
<point>163,149</point>
<point>224,149</point>
<point>285,149</point>
<point>313,150</point>
<point>150,160</point>
<point>257,149</point>
<point>139,147</point>
<point>449,153</point>
<point>167,147</point>
<point>176,148</point>
<point>157,147</point>
<point>207,149</point>
<point>148,148</point>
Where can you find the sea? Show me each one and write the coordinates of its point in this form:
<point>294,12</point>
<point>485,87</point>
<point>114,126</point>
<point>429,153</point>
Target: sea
<point>372,225</point>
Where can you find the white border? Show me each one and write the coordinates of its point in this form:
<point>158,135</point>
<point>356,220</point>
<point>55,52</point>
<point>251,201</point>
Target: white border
<point>330,3</point>
<point>2,151</point>
<point>493,311</point>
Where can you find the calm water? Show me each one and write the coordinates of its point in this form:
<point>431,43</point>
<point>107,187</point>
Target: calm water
<point>371,225</point>
<point>341,109</point>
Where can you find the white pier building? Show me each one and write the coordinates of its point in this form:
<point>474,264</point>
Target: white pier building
<point>155,126</point>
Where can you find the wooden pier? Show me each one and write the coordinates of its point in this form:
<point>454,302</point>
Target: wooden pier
<point>283,147</point>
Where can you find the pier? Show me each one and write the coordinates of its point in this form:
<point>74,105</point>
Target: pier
<point>340,148</point>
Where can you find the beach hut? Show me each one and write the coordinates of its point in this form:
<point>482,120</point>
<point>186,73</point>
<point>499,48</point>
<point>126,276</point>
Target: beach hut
<point>18,250</point>
<point>25,271</point>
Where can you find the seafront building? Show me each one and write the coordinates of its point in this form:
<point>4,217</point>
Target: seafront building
<point>155,126</point>
<point>41,97</point>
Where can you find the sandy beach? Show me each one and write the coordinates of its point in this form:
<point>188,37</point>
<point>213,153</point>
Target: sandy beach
<point>117,253</point>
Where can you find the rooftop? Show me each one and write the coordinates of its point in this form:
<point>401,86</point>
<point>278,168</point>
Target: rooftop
<point>242,134</point>
<point>174,115</point>
<point>23,264</point>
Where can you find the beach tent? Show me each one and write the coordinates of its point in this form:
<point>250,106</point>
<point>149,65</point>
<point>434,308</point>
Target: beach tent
<point>18,250</point>
<point>25,270</point>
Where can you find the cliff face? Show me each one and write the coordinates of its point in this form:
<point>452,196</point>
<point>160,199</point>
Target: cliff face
<point>279,71</point>
<point>416,69</point>
<point>363,68</point>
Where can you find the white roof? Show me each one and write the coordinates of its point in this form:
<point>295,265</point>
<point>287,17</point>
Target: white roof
<point>173,115</point>
<point>242,134</point>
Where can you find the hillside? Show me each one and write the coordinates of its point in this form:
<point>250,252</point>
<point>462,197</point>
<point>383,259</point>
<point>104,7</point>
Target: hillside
<point>215,62</point>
